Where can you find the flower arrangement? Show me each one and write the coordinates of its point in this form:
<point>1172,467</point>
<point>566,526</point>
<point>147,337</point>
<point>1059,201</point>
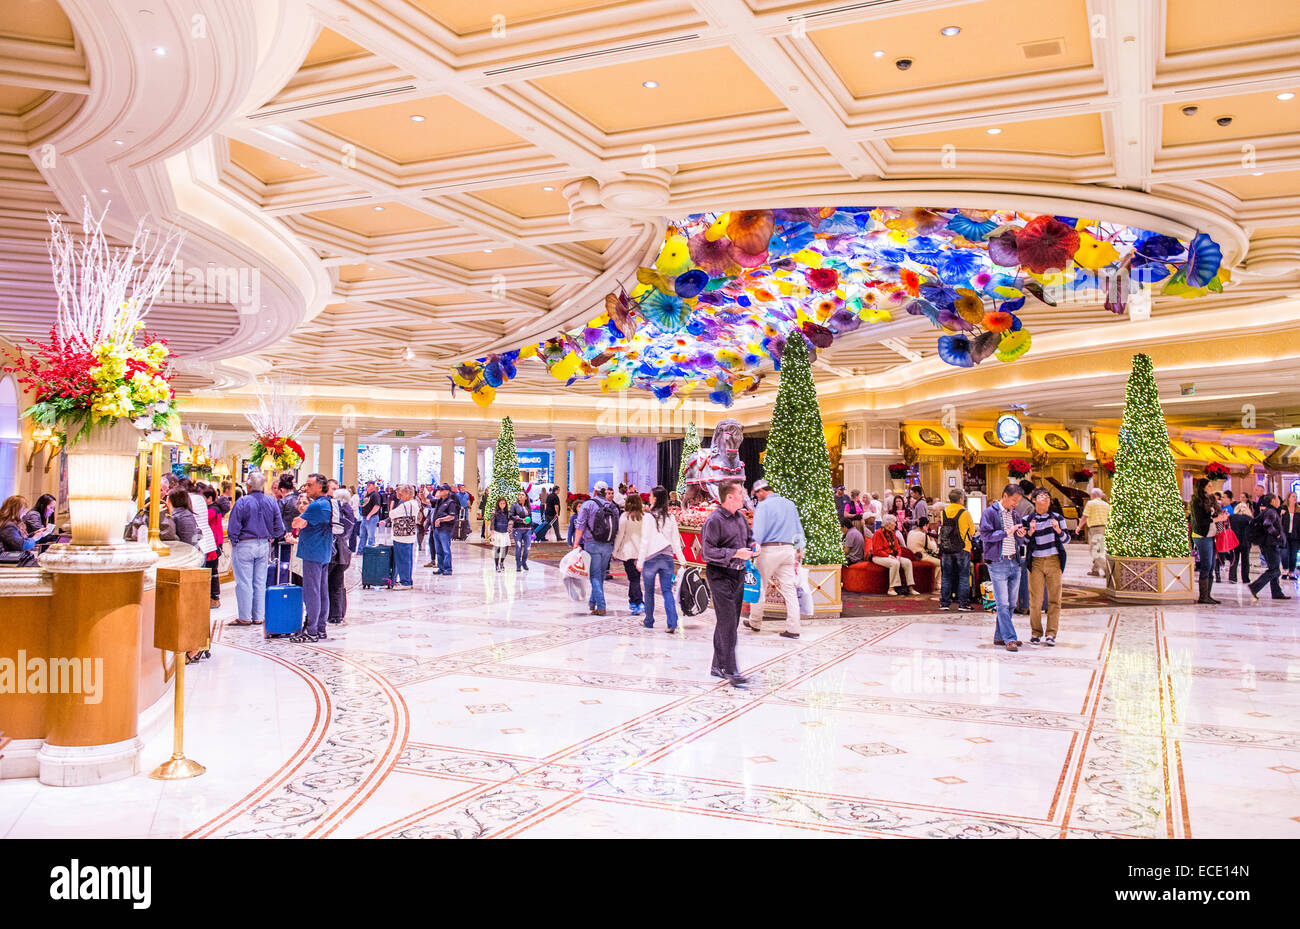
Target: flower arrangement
<point>91,372</point>
<point>1083,475</point>
<point>898,470</point>
<point>285,454</point>
<point>573,499</point>
<point>1109,467</point>
<point>1216,472</point>
<point>275,422</point>
<point>80,383</point>
<point>1018,467</point>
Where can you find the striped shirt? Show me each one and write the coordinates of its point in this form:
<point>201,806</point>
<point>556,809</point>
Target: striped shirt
<point>1009,540</point>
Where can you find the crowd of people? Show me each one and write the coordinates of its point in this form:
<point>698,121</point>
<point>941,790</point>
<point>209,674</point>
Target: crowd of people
<point>312,531</point>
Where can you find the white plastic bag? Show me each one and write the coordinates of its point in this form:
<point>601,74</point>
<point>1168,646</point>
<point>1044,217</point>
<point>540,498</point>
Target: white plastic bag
<point>573,569</point>
<point>804,587</point>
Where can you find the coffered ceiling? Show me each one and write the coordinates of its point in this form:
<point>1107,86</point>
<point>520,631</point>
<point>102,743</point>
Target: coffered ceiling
<point>422,181</point>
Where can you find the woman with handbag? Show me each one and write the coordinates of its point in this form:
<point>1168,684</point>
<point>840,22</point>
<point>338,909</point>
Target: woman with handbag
<point>521,528</point>
<point>627,549</point>
<point>500,520</point>
<point>213,562</point>
<point>1205,518</point>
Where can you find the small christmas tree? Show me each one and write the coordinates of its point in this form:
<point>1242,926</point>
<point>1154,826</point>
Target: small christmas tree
<point>797,464</point>
<point>505,468</point>
<point>690,445</point>
<point>1147,517</point>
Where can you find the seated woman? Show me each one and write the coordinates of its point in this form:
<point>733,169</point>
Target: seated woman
<point>13,532</point>
<point>888,552</point>
<point>40,516</point>
<point>184,523</point>
<point>922,544</point>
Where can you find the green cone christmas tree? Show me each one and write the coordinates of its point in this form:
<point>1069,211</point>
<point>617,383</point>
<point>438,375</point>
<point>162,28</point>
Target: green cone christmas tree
<point>796,463</point>
<point>690,445</point>
<point>505,467</point>
<point>1147,516</point>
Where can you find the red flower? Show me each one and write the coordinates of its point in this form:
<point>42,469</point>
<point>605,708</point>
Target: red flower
<point>822,279</point>
<point>1046,244</point>
<point>297,449</point>
<point>1018,467</point>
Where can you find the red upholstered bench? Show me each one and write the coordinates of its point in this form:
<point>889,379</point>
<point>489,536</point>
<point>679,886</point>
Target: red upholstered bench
<point>867,577</point>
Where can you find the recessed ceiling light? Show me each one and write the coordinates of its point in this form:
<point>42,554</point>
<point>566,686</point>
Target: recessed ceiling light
<point>950,30</point>
<point>284,157</point>
<point>650,85</point>
<point>1256,173</point>
<point>103,190</point>
<point>548,188</point>
<point>417,119</point>
<point>1191,110</point>
<point>118,142</point>
<point>1286,95</point>
<point>487,251</point>
<point>994,131</point>
<point>878,53</point>
<point>159,50</point>
<point>379,209</point>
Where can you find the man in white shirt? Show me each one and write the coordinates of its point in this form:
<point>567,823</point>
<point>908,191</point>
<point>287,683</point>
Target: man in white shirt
<point>620,495</point>
<point>875,508</point>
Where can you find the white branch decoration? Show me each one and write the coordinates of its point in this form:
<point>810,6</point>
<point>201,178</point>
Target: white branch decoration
<point>199,436</point>
<point>279,411</point>
<point>104,293</point>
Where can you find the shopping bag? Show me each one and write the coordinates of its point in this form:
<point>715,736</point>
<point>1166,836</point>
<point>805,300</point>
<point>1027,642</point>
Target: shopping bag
<point>753,584</point>
<point>574,564</point>
<point>1225,541</point>
<point>804,589</point>
<point>573,569</point>
<point>383,535</point>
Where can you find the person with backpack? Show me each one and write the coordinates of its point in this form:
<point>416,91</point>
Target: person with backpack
<point>595,532</point>
<point>1266,532</point>
<point>956,529</point>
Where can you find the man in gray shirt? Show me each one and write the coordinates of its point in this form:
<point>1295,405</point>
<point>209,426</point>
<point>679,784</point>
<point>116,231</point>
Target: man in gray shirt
<point>728,545</point>
<point>855,544</point>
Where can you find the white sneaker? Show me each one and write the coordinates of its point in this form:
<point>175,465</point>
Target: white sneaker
<point>892,592</point>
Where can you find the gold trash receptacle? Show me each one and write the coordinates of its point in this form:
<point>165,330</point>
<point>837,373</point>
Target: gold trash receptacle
<point>182,609</point>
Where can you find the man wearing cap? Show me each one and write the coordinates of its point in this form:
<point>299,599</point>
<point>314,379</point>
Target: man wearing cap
<point>596,537</point>
<point>779,539</point>
<point>442,517</point>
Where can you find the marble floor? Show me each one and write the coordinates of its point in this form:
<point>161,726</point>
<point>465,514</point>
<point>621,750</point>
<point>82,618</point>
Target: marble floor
<point>486,705</point>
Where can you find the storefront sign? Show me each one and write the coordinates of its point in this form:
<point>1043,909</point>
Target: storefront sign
<point>1287,436</point>
<point>534,461</point>
<point>1009,429</point>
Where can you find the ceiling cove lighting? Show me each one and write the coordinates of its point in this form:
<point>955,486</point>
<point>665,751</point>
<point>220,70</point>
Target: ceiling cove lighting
<point>1201,398</point>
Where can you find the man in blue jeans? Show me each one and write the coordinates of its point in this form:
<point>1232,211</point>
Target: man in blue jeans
<point>596,527</point>
<point>1001,533</point>
<point>315,547</point>
<point>372,507</point>
<point>442,517</point>
<point>255,521</point>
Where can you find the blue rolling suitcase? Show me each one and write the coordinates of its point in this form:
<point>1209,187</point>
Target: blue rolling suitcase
<point>283,603</point>
<point>377,566</point>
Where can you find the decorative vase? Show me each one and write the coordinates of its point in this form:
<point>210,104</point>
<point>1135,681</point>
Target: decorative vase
<point>827,591</point>
<point>896,483</point>
<point>1148,580</point>
<point>100,469</point>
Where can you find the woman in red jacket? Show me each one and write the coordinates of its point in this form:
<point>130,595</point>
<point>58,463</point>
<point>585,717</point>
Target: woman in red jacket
<point>888,552</point>
<point>218,533</point>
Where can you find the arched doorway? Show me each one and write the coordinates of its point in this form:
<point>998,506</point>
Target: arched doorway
<point>11,437</point>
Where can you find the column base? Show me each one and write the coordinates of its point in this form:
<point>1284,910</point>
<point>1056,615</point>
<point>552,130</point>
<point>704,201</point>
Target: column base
<point>83,765</point>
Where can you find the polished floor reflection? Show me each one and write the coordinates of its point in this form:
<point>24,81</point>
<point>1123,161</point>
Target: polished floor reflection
<point>488,705</point>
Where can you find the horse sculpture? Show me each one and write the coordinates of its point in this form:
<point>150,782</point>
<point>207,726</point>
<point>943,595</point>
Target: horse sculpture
<point>710,466</point>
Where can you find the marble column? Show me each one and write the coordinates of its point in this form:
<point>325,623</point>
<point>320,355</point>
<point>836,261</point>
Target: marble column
<point>447,460</point>
<point>412,463</point>
<point>351,440</point>
<point>562,475</point>
<point>315,457</point>
<point>472,479</point>
<point>581,483</point>
<point>395,469</point>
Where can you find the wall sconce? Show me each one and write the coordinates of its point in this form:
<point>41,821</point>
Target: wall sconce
<point>43,440</point>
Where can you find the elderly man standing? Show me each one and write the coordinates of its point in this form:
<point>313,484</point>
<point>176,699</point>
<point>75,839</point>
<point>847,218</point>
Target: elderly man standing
<point>727,545</point>
<point>1096,513</point>
<point>315,548</point>
<point>255,521</point>
<point>779,535</point>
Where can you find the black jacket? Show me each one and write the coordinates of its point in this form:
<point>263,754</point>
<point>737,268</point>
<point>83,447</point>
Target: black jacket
<point>1290,525</point>
<point>439,509</point>
<point>500,520</point>
<point>1270,535</point>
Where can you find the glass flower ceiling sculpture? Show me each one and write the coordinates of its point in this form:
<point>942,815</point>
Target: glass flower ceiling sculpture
<point>728,289</point>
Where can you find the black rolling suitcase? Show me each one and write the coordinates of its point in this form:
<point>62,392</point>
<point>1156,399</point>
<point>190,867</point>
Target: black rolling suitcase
<point>377,566</point>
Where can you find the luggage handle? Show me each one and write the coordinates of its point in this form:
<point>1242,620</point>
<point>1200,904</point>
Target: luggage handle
<point>281,563</point>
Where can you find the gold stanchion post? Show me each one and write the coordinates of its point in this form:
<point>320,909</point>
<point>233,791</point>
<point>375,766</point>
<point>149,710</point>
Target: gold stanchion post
<point>178,767</point>
<point>155,503</point>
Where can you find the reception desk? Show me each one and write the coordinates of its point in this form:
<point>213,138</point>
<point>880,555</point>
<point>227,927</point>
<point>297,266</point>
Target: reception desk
<point>35,605</point>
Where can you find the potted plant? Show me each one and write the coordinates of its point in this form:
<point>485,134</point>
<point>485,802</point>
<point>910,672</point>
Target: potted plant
<point>1082,475</point>
<point>99,383</point>
<point>1019,468</point>
<point>1109,467</point>
<point>897,474</point>
<point>275,422</point>
<point>1217,474</point>
<point>1148,555</point>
